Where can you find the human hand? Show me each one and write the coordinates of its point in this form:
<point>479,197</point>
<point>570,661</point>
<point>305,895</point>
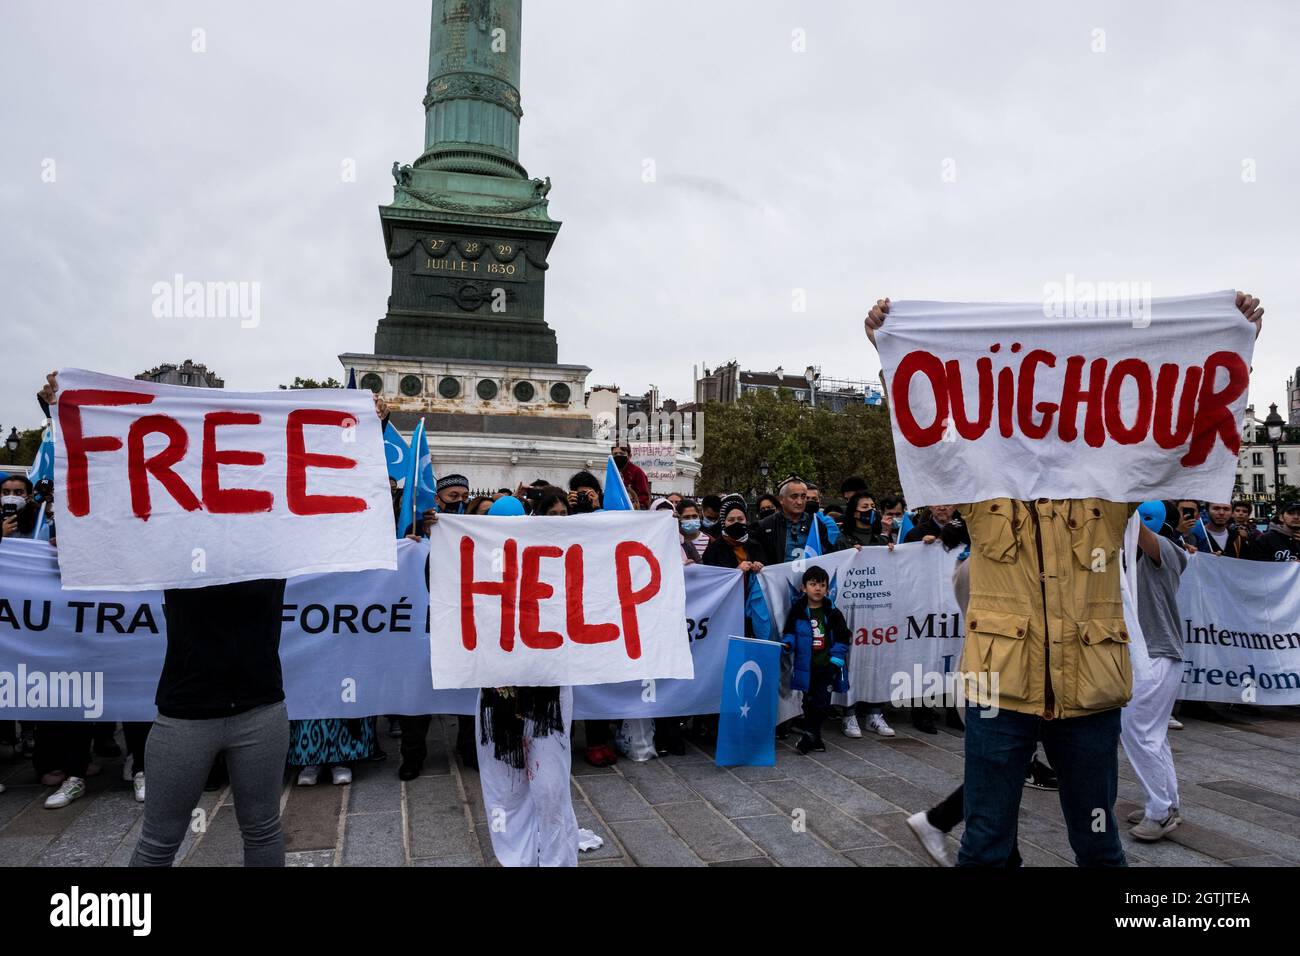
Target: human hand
<point>1248,306</point>
<point>49,392</point>
<point>875,318</point>
<point>381,407</point>
<point>929,539</point>
<point>10,526</point>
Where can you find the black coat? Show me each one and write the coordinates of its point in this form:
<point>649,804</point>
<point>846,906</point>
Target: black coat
<point>772,533</point>
<point>223,649</point>
<point>1274,545</point>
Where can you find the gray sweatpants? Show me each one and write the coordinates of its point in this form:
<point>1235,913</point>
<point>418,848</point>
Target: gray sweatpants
<point>180,754</point>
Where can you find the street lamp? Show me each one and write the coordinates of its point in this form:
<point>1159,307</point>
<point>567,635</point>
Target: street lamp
<point>13,441</point>
<point>1273,428</point>
<point>763,469</point>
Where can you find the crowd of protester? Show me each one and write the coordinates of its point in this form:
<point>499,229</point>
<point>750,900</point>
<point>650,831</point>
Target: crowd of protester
<point>740,531</point>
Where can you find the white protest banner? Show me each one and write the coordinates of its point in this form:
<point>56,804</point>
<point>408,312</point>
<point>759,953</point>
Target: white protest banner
<point>163,486</point>
<point>900,608</point>
<point>352,644</point>
<point>544,601</point>
<point>1127,402</point>
<point>657,459</point>
<point>1240,630</point>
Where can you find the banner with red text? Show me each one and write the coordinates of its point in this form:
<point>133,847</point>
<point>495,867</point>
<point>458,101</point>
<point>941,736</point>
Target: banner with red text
<point>162,486</point>
<point>540,601</point>
<point>1126,399</point>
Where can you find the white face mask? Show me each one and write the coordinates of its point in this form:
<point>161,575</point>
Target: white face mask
<point>16,500</point>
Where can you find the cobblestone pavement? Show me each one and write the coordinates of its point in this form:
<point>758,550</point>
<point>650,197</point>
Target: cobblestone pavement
<point>1239,775</point>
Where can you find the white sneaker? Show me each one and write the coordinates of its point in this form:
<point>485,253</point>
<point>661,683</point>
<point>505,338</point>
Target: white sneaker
<point>587,840</point>
<point>849,727</point>
<point>341,775</point>
<point>308,776</point>
<point>128,762</point>
<point>1175,723</point>
<point>137,784</point>
<point>877,725</point>
<point>72,789</point>
<point>932,839</point>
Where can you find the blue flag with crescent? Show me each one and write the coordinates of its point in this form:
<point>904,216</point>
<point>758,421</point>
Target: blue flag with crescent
<point>905,527</point>
<point>747,714</point>
<point>43,466</point>
<point>419,494</point>
<point>395,451</point>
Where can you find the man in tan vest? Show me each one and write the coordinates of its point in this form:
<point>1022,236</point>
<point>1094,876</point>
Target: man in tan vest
<point>1046,620</point>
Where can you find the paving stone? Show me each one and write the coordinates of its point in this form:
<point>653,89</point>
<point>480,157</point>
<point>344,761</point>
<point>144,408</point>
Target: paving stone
<point>374,839</point>
<point>1195,797</point>
<point>709,834</point>
<point>615,799</point>
<point>655,782</point>
<point>651,843</point>
<point>93,836</point>
<point>121,855</point>
<point>375,788</point>
<point>310,858</point>
<point>894,827</point>
<point>21,850</point>
<point>786,847</point>
<point>1167,853</point>
<point>436,818</point>
<point>837,829</point>
<point>844,793</point>
<point>464,860</point>
<point>15,799</point>
<point>583,862</point>
<point>311,818</point>
<point>1265,860</point>
<point>755,861</point>
<point>1256,795</point>
<point>729,796</point>
<point>897,793</point>
<point>485,846</point>
<point>221,844</point>
<point>887,855</point>
<point>588,820</point>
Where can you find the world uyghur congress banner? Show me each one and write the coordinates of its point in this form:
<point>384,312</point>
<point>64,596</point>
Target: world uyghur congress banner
<point>592,599</point>
<point>163,486</point>
<point>1127,401</point>
<point>354,644</point>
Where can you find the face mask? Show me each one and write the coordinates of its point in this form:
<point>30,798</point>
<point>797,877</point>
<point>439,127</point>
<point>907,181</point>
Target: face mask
<point>16,501</point>
<point>710,522</point>
<point>812,507</point>
<point>453,509</point>
<point>737,530</point>
<point>690,527</point>
<point>620,462</point>
<point>764,512</point>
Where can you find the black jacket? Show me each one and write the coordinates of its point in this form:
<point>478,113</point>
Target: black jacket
<point>1274,545</point>
<point>223,649</point>
<point>772,533</point>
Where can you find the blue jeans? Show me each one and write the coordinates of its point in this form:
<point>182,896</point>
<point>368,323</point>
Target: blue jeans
<point>1084,753</point>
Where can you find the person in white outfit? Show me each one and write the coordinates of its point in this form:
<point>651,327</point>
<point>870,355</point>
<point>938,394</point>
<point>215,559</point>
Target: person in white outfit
<point>1144,723</point>
<point>524,761</point>
<point>529,807</point>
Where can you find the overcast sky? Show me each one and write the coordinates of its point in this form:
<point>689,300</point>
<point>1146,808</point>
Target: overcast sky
<point>776,170</point>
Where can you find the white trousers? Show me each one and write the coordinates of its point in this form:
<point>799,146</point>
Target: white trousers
<point>530,811</point>
<point>1144,731</point>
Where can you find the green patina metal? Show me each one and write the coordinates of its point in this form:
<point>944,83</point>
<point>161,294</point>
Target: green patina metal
<point>468,233</point>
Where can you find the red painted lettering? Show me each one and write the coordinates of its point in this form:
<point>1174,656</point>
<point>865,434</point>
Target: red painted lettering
<point>503,589</point>
<point>531,591</point>
<point>628,599</point>
<point>139,468</point>
<point>580,632</point>
<point>1137,370</point>
<point>230,501</point>
<point>1213,416</point>
<point>301,503</point>
<point>927,364</point>
<point>77,445</point>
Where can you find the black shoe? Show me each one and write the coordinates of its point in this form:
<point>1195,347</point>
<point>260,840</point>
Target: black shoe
<point>107,748</point>
<point>818,746</point>
<point>952,719</point>
<point>924,722</point>
<point>409,770</point>
<point>783,730</point>
<point>677,747</point>
<point>1041,776</point>
<point>806,743</point>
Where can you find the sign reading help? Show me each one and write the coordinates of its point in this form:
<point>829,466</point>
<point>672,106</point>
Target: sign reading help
<point>548,601</point>
<point>163,486</point>
<point>1040,400</point>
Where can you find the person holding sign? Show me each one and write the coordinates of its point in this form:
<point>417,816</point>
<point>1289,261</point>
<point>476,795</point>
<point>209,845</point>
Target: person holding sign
<point>524,758</point>
<point>1046,633</point>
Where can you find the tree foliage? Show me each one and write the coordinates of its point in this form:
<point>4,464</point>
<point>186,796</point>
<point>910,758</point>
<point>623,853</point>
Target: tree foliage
<point>815,443</point>
<point>300,382</point>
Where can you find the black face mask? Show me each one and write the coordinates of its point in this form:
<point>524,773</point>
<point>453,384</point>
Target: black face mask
<point>458,508</point>
<point>620,462</point>
<point>737,530</point>
<point>812,507</point>
<point>764,512</point>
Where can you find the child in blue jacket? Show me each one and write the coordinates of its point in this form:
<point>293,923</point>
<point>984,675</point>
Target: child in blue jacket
<point>816,634</point>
